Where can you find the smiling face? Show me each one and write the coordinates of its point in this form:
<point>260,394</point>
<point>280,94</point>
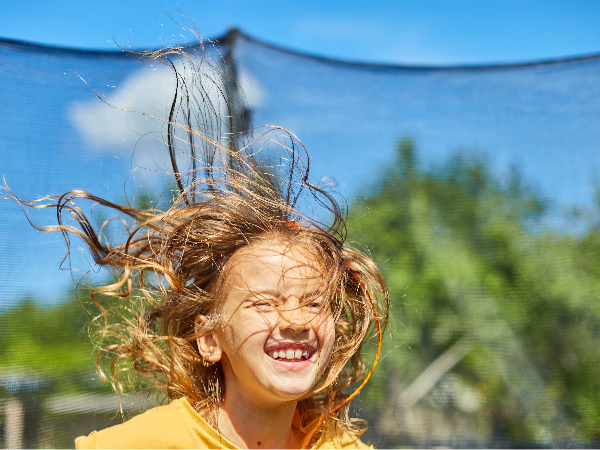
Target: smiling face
<point>276,337</point>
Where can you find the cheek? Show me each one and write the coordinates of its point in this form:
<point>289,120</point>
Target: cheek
<point>247,331</point>
<point>325,330</point>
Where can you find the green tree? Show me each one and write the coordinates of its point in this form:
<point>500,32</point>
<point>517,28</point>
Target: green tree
<point>497,320</point>
<point>47,341</point>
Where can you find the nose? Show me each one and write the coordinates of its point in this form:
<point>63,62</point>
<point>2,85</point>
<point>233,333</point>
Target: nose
<point>294,320</point>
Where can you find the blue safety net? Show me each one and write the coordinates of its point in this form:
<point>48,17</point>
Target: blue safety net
<point>476,189</point>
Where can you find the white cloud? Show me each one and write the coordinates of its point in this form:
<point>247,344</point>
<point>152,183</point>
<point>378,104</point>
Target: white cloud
<point>149,92</point>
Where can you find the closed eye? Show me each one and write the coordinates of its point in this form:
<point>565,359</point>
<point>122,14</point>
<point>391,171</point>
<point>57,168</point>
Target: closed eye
<point>316,306</point>
<point>263,305</point>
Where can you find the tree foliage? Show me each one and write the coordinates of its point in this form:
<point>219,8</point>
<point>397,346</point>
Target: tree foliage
<point>473,275</point>
<point>47,344</point>
<point>496,318</point>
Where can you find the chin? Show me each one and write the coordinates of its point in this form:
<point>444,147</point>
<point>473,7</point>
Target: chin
<point>293,391</point>
<point>293,386</point>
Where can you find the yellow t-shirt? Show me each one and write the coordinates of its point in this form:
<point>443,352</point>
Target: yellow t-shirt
<point>178,425</point>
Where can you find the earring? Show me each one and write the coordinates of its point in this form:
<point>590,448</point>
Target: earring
<point>206,363</point>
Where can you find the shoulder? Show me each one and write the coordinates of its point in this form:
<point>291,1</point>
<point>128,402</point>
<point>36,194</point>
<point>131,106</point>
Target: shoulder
<point>176,425</point>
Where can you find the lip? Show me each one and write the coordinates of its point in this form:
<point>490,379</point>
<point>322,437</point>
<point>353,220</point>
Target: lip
<point>291,366</point>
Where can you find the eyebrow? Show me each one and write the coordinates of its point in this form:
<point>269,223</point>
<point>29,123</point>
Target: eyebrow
<point>267,291</point>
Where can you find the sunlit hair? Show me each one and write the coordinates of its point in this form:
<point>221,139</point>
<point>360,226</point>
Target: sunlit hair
<point>241,189</point>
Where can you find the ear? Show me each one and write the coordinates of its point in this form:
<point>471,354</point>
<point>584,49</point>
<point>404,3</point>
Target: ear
<point>208,344</point>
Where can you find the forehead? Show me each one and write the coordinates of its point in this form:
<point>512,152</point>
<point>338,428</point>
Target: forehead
<point>274,266</point>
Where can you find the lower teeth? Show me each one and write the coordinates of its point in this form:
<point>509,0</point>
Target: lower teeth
<point>303,358</point>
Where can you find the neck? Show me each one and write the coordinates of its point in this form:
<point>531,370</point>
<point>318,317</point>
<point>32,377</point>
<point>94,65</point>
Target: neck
<point>251,426</point>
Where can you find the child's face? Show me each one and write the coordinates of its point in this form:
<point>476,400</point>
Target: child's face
<point>276,339</point>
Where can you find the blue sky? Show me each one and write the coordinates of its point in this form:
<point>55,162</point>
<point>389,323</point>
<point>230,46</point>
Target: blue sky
<point>442,32</point>
<point>402,32</point>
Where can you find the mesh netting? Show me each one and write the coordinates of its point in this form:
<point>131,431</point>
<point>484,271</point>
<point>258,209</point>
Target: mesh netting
<point>474,188</point>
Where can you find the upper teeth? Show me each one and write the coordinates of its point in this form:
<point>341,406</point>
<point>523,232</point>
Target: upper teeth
<point>290,354</point>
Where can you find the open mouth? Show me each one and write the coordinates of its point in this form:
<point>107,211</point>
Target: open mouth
<point>290,354</point>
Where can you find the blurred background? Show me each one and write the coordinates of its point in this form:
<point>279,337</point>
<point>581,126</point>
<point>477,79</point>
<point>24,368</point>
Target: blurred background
<point>464,135</point>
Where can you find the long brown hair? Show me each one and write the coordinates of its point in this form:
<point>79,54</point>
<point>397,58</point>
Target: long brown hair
<point>241,187</point>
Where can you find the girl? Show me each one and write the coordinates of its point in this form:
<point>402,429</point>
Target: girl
<point>248,313</point>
